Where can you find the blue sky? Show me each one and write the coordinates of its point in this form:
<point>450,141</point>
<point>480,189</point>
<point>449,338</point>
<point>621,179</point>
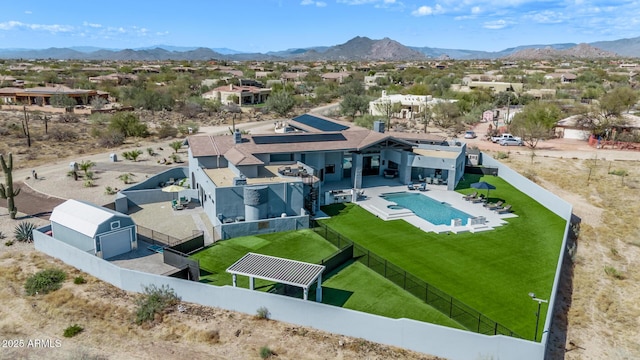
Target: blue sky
<point>272,25</point>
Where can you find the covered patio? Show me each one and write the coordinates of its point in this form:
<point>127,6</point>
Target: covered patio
<point>284,271</point>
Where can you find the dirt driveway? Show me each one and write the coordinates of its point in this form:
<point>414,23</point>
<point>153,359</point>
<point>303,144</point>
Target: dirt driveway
<point>33,203</point>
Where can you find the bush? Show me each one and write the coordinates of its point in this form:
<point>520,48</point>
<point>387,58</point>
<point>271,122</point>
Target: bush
<point>502,155</point>
<point>79,280</point>
<point>262,313</point>
<point>109,139</point>
<point>63,135</point>
<point>24,231</point>
<point>154,301</point>
<point>45,281</point>
<point>266,353</point>
<point>166,130</point>
<point>72,331</point>
<point>8,243</point>
<point>613,272</point>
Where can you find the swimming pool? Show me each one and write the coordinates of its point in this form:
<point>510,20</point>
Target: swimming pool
<point>435,212</point>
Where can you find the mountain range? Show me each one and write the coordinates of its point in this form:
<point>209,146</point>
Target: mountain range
<point>356,49</point>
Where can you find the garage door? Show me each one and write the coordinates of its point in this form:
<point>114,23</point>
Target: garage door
<point>115,243</point>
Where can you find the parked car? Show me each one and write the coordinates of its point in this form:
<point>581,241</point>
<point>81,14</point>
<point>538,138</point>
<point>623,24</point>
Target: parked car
<point>497,139</point>
<point>511,142</point>
<point>470,135</point>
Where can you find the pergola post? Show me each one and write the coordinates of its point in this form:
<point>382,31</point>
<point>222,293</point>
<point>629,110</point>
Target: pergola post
<point>251,282</point>
<point>319,289</point>
<point>306,293</point>
<point>235,283</point>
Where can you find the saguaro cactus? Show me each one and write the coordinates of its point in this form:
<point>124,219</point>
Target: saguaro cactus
<point>6,190</point>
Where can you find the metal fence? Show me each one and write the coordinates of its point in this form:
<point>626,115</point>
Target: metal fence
<point>156,237</point>
<point>470,318</point>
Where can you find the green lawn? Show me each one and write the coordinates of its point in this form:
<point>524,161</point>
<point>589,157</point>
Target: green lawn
<point>352,286</point>
<point>492,271</point>
<point>303,245</point>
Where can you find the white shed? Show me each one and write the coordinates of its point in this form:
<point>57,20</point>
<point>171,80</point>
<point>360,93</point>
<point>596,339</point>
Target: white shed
<point>103,232</point>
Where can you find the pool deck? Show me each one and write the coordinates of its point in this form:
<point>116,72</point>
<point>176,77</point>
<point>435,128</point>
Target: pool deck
<point>378,206</point>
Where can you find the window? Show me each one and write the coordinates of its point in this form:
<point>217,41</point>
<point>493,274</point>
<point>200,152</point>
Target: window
<point>330,169</point>
<point>281,157</point>
<point>115,225</point>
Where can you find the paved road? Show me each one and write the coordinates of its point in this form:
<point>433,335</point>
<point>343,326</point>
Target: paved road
<point>33,203</point>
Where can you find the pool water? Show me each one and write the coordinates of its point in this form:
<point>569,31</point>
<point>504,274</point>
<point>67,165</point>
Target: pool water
<point>435,212</point>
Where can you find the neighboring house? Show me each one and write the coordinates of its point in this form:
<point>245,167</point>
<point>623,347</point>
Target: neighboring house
<point>338,77</point>
<point>42,95</point>
<point>93,229</point>
<point>411,106</point>
<point>575,127</point>
<point>119,79</point>
<point>241,95</point>
<point>562,77</point>
<point>250,184</point>
<point>372,80</point>
<point>495,86</point>
<point>293,76</point>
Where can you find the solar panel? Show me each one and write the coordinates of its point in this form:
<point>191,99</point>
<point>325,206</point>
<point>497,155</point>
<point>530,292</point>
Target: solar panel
<point>318,123</point>
<point>297,138</point>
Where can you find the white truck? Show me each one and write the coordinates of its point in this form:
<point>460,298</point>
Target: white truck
<point>497,139</point>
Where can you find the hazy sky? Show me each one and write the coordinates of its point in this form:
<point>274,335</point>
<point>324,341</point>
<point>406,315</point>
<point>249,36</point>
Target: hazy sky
<point>272,25</point>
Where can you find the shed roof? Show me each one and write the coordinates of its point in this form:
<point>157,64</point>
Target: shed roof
<point>285,271</point>
<point>82,217</point>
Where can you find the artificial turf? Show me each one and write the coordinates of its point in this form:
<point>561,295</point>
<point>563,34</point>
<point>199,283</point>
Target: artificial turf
<point>492,271</point>
<point>352,286</point>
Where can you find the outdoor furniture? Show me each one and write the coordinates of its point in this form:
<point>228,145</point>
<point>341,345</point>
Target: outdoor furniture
<point>410,186</point>
<point>239,218</point>
<point>471,196</point>
<point>156,248</point>
<point>429,180</point>
<point>421,179</point>
<point>184,200</point>
<point>423,186</point>
<point>175,204</point>
<point>227,220</point>
<point>493,206</point>
<point>478,199</point>
<point>504,210</point>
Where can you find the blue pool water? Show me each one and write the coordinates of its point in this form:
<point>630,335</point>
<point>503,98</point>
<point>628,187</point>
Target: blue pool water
<point>435,212</point>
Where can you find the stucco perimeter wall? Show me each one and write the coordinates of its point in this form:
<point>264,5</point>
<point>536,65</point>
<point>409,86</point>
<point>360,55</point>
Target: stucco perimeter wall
<point>551,202</point>
<point>410,334</point>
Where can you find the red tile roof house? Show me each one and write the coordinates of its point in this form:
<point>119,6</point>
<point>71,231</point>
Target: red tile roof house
<point>241,95</point>
<point>252,184</point>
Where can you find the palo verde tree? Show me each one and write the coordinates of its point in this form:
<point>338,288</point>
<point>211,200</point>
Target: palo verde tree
<point>535,122</point>
<point>280,102</point>
<point>352,104</point>
<point>6,190</point>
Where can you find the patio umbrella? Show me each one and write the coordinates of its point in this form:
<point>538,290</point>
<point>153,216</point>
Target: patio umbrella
<point>482,185</point>
<point>172,188</point>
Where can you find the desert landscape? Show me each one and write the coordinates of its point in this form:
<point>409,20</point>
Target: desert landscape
<point>597,317</point>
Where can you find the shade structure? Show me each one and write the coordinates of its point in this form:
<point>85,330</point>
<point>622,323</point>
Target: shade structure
<point>173,188</point>
<point>483,185</point>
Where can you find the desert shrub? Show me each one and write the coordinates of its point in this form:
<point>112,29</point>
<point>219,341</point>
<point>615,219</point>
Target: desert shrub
<point>44,282</point>
<point>128,124</point>
<point>155,300</point>
<point>175,158</point>
<point>167,130</point>
<point>266,353</point>
<point>613,272</point>
<point>88,183</point>
<point>72,331</point>
<point>502,155</point>
<point>24,231</point>
<point>79,280</point>
<point>108,139</point>
<point>150,151</point>
<point>69,118</point>
<point>99,118</point>
<point>63,135</point>
<point>262,313</point>
<point>108,190</point>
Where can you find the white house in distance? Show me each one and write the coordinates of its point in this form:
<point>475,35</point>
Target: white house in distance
<point>241,95</point>
<point>411,105</point>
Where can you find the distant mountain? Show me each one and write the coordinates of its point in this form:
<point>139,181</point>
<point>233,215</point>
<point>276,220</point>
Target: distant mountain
<point>363,48</point>
<point>356,49</point>
<point>580,51</point>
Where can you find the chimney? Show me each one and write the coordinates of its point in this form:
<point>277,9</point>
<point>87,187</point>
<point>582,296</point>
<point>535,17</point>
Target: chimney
<point>378,126</point>
<point>230,87</point>
<point>237,137</point>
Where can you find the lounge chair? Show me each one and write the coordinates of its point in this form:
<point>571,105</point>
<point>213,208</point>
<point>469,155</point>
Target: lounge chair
<point>184,200</point>
<point>423,186</point>
<point>175,204</point>
<point>493,206</point>
<point>421,178</point>
<point>504,210</point>
<point>410,186</point>
<point>471,196</point>
<point>478,199</point>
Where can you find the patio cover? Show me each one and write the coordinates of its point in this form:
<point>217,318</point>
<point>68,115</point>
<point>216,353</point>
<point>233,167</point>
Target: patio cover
<point>285,271</point>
